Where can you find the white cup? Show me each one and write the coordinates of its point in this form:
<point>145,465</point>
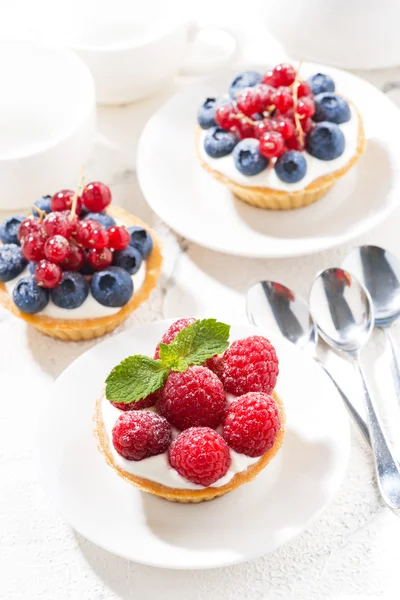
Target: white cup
<point>47,121</point>
<point>133,48</point>
<point>356,34</point>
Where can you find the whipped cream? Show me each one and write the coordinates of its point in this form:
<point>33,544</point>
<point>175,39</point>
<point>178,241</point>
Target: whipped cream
<point>269,179</point>
<point>89,309</point>
<point>157,468</point>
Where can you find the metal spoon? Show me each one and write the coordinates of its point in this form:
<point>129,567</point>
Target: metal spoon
<point>343,312</point>
<point>271,305</point>
<point>379,271</point>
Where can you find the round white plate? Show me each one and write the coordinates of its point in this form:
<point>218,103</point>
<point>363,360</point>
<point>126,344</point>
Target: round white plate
<point>204,211</point>
<point>246,523</point>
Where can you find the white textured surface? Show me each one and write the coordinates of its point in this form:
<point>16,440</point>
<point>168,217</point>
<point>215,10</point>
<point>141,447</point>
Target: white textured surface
<point>351,552</point>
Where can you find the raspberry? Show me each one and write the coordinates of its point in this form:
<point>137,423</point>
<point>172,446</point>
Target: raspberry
<point>251,424</point>
<point>172,332</point>
<point>250,365</point>
<point>215,364</point>
<point>150,400</point>
<point>140,434</point>
<point>195,398</point>
<point>201,455</point>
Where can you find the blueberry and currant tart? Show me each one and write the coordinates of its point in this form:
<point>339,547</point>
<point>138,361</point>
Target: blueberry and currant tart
<point>279,141</point>
<point>198,419</point>
<point>76,267</point>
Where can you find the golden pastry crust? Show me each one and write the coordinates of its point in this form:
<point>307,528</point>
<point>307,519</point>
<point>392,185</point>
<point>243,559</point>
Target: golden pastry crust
<point>87,329</point>
<point>271,199</point>
<point>187,496</point>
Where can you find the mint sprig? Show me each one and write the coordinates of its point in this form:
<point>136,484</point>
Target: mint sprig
<point>138,376</point>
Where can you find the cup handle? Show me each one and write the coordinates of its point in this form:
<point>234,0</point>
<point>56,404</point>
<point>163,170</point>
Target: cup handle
<point>217,47</point>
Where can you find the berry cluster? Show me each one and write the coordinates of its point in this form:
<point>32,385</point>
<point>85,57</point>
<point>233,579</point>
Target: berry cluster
<point>195,404</point>
<point>278,111</point>
<point>69,240</point>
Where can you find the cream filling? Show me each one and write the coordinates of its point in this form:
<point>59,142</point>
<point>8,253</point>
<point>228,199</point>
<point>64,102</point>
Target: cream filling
<point>89,309</point>
<point>157,468</point>
<point>269,179</point>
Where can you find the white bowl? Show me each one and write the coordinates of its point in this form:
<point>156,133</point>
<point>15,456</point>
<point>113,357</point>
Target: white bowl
<point>47,120</point>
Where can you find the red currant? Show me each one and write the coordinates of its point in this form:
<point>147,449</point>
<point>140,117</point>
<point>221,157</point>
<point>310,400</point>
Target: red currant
<point>118,237</point>
<point>283,99</point>
<point>303,89</point>
<point>269,79</point>
<point>75,259</point>
<point>262,127</point>
<point>72,223</point>
<point>225,116</point>
<point>247,101</point>
<point>305,107</point>
<point>96,196</point>
<point>306,125</point>
<point>294,144</point>
<point>48,274</point>
<point>266,94</point>
<point>56,248</point>
<point>33,246</point>
<point>284,126</point>
<point>284,74</point>
<point>56,223</point>
<point>63,201</point>
<point>272,144</point>
<point>244,130</point>
<point>100,259</point>
<point>91,234</point>
<point>29,225</point>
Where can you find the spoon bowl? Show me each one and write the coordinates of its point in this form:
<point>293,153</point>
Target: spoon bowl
<point>342,309</point>
<point>271,305</point>
<point>379,271</point>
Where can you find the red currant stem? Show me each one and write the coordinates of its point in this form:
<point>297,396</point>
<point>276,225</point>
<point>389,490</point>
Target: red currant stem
<point>299,129</point>
<point>75,196</point>
<point>242,117</point>
<point>42,213</point>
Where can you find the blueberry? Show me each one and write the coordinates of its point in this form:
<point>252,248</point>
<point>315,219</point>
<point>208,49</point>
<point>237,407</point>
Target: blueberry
<point>32,267</point>
<point>9,230</point>
<point>87,268</point>
<point>257,117</point>
<point>30,297</point>
<point>244,80</point>
<point>112,287</point>
<point>325,141</point>
<point>84,212</point>
<point>44,203</point>
<point>291,166</point>
<point>321,83</point>
<point>71,292</point>
<point>247,157</point>
<point>141,240</point>
<point>101,217</point>
<point>219,142</point>
<point>330,107</point>
<point>12,262</point>
<point>129,259</point>
<point>206,114</point>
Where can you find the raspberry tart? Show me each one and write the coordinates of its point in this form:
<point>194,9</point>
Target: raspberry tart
<point>77,267</point>
<point>196,421</point>
<point>279,141</point>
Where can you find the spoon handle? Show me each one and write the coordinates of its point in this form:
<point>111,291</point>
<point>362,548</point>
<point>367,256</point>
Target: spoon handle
<point>395,368</point>
<point>387,468</point>
<point>358,419</point>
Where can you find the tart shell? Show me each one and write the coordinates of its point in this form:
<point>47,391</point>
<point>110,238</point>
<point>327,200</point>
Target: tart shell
<point>189,495</point>
<point>87,329</point>
<point>272,199</point>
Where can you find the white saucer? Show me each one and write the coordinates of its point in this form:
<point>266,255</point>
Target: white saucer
<point>251,521</point>
<point>204,211</point>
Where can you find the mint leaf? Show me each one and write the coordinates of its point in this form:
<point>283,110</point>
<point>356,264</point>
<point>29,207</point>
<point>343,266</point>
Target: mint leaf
<point>135,378</point>
<point>201,340</point>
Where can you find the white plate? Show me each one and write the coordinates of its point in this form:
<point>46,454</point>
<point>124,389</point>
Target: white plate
<point>203,210</point>
<point>246,523</point>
